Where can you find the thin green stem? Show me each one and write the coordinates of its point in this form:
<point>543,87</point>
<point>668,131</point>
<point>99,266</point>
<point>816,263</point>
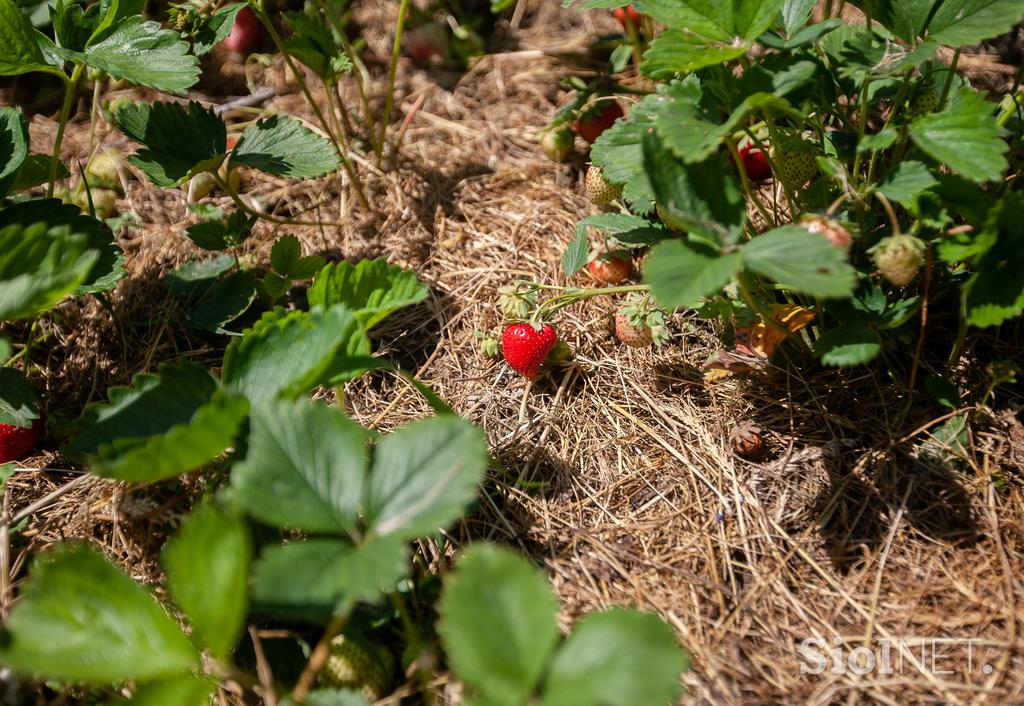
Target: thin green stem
<point>389,99</point>
<point>862,126</point>
<point>571,296</point>
<point>65,113</point>
<point>94,110</point>
<point>224,186</point>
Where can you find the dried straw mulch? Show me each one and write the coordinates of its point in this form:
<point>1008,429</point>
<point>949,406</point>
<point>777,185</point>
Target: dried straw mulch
<point>616,475</point>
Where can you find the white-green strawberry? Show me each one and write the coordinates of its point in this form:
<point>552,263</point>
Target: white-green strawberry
<point>899,258</point>
<point>599,191</point>
<point>356,664</point>
<point>795,158</point>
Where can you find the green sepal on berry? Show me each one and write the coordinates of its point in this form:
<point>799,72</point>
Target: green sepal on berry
<point>640,323</point>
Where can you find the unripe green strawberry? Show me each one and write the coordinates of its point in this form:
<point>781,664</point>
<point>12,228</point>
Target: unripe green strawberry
<point>899,258</point>
<point>796,161</point>
<point>923,102</point>
<point>599,191</point>
<point>557,144</point>
<point>355,664</point>
<point>104,171</point>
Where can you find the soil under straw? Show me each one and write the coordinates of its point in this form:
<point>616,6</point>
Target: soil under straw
<point>617,476</point>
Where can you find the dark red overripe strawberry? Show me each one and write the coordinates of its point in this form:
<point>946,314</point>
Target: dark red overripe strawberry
<point>15,442</point>
<point>245,33</point>
<point>525,346</point>
<point>611,267</point>
<point>596,119</point>
<point>755,163</point>
<point>627,14</point>
<point>427,42</point>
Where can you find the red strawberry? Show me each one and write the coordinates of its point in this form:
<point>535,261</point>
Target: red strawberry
<point>15,442</point>
<point>245,33</point>
<point>525,346</point>
<point>611,267</point>
<point>627,14</point>
<point>755,163</point>
<point>596,119</point>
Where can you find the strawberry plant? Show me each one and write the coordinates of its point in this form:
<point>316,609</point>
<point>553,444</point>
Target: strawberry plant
<point>825,170</point>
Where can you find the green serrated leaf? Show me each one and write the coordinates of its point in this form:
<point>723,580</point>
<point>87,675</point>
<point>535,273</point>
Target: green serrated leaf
<point>959,22</point>
<point>848,345</point>
<point>39,265</point>
<point>372,289</point>
<point>282,146</point>
<point>275,285</point>
<point>36,170</point>
<point>995,292</point>
<point>207,565</point>
<point>17,399</point>
<point>681,52</point>
<point>575,255</point>
<point>327,576</point>
<point>144,54</point>
<point>682,273</point>
<point>178,141</point>
<point>13,147</point>
<point>909,181</point>
<point>942,390</point>
<point>879,141</point>
<point>497,623</point>
<point>315,461</point>
<point>313,44</point>
<point>964,136</point>
<point>619,153</point>
<point>423,476</point>
<point>19,47</point>
<point>288,353</point>
<point>111,13</point>
<point>802,261</point>
<point>162,426</point>
<point>702,197</point>
<point>617,658</point>
<point>215,29</point>
<point>80,619</point>
<point>794,14</point>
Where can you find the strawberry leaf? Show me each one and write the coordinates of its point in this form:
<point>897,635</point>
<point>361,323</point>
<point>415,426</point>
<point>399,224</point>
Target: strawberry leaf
<point>372,289</point>
<point>215,29</point>
<point>80,619</point>
<point>681,52</point>
<point>288,353</point>
<point>20,51</point>
<point>287,260</point>
<point>848,345</point>
<point>995,292</point>
<point>617,658</point>
<point>802,261</point>
<point>682,273</point>
<point>181,691</point>
<point>319,577</point>
<point>619,154</point>
<point>17,399</point>
<point>423,476</point>
<point>964,136</point>
<point>910,180</point>
<point>144,54</point>
<point>959,22</point>
<point>162,426</point>
<point>207,565</point>
<point>282,146</point>
<point>13,146</point>
<point>178,142</point>
<point>315,461</point>
<point>498,623</point>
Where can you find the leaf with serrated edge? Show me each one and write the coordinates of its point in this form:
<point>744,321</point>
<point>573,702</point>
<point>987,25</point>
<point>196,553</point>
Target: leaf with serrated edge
<point>288,353</point>
<point>327,575</point>
<point>17,399</point>
<point>617,658</point>
<point>305,468</point>
<point>681,274</point>
<point>144,54</point>
<point>848,345</point>
<point>497,622</point>
<point>801,261</point>
<point>372,289</point>
<point>964,136</point>
<point>282,146</point>
<point>80,619</point>
<point>161,426</point>
<point>423,476</point>
<point>179,141</point>
<point>207,565</point>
